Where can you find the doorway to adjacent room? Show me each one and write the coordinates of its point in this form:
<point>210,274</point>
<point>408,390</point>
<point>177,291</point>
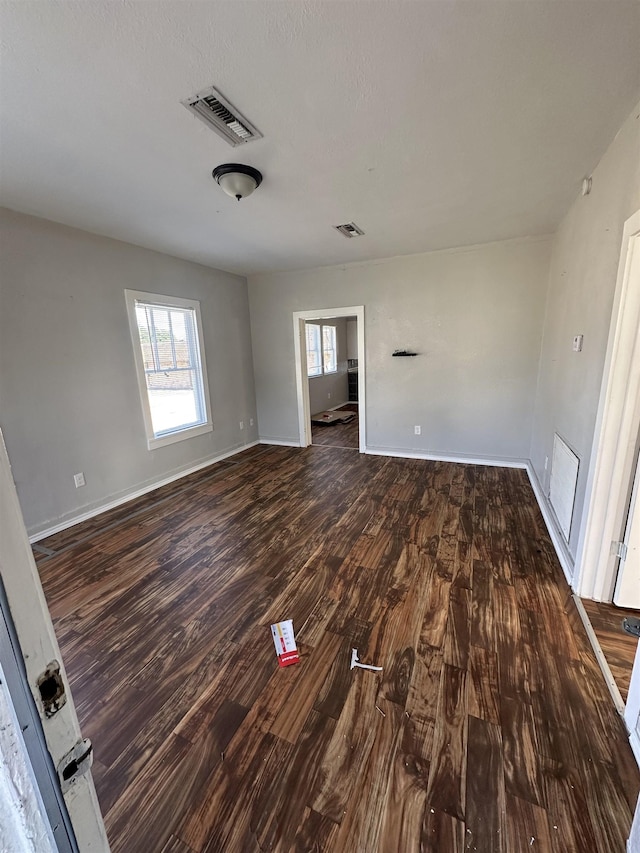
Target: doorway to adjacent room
<point>330,377</point>
<point>608,551</point>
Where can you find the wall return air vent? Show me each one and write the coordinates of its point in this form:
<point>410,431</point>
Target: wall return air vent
<point>216,112</point>
<point>350,229</point>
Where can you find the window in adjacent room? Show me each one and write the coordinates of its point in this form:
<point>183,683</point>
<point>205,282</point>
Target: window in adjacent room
<point>169,357</point>
<point>321,349</point>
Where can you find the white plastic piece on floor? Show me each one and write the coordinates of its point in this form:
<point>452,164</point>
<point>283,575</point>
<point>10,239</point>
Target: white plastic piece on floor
<point>354,662</point>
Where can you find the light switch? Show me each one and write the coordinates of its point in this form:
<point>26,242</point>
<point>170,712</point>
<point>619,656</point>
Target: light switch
<point>577,343</point>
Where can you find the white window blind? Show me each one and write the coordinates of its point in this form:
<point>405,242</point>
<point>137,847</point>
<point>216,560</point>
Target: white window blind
<point>330,358</point>
<point>314,356</point>
<point>170,362</point>
<point>322,356</point>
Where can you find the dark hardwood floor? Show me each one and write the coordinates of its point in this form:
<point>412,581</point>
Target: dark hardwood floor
<point>490,728</point>
<point>338,435</point>
<point>618,647</point>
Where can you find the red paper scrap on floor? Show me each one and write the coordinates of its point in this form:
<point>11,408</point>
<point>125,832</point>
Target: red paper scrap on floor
<point>285,642</point>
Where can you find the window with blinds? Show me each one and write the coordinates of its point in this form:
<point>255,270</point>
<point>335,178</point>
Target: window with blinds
<point>167,338</point>
<point>314,351</point>
<point>322,354</point>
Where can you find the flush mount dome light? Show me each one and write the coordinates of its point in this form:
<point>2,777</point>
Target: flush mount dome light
<point>237,180</point>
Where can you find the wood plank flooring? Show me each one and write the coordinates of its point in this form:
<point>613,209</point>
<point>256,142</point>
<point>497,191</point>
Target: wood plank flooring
<point>338,435</point>
<point>489,729</point>
<point>618,647</point>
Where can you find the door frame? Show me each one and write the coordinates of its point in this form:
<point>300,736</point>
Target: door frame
<point>632,708</point>
<point>616,433</point>
<point>39,647</point>
<point>627,581</point>
<point>302,379</point>
<point>48,796</point>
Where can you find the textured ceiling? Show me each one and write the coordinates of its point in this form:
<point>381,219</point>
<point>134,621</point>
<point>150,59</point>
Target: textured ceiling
<point>429,124</point>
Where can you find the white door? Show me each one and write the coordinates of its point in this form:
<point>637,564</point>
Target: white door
<point>615,442</point>
<point>627,591</point>
<point>36,644</point>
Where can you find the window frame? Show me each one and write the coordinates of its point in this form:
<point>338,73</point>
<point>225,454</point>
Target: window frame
<point>134,297</point>
<point>321,350</point>
<point>317,350</point>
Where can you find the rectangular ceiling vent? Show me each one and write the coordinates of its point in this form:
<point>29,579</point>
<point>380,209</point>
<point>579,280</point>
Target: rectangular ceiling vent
<point>215,111</point>
<point>349,230</point>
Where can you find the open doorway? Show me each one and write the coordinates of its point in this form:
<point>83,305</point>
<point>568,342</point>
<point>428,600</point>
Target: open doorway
<point>607,563</point>
<point>329,356</point>
<point>338,427</point>
<point>332,375</point>
<point>616,623</point>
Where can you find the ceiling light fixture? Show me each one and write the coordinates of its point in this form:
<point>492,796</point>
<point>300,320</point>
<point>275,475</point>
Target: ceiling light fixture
<point>237,180</point>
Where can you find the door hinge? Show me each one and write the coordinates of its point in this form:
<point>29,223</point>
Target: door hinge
<point>75,763</point>
<point>619,549</point>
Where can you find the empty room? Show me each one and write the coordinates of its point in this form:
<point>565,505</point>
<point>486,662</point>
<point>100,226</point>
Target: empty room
<point>320,420</point>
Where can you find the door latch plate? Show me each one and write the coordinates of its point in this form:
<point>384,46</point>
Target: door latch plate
<point>75,763</point>
<point>51,688</point>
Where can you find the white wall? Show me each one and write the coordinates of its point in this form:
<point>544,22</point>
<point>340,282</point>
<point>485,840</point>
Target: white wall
<point>352,338</point>
<point>334,384</point>
<point>68,390</point>
<point>474,316</point>
<point>584,262</point>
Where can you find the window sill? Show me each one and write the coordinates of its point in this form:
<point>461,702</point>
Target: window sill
<point>179,435</point>
<point>320,375</point>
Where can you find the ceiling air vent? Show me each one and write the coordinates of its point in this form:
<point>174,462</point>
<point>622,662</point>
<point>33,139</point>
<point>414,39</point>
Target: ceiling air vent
<point>349,230</point>
<point>215,111</point>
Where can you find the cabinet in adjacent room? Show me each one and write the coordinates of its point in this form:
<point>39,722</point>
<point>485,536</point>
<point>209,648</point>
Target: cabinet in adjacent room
<point>352,378</point>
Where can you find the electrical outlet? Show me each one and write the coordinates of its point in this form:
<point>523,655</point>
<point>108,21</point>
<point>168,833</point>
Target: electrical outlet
<point>328,395</point>
<point>546,462</point>
<point>577,343</point>
<point>417,430</point>
<point>241,424</point>
<point>250,421</point>
<point>79,480</point>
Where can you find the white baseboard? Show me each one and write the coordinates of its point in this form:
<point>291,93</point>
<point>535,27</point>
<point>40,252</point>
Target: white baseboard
<point>447,457</point>
<point>602,661</point>
<point>558,540</point>
<point>279,442</point>
<point>137,493</point>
